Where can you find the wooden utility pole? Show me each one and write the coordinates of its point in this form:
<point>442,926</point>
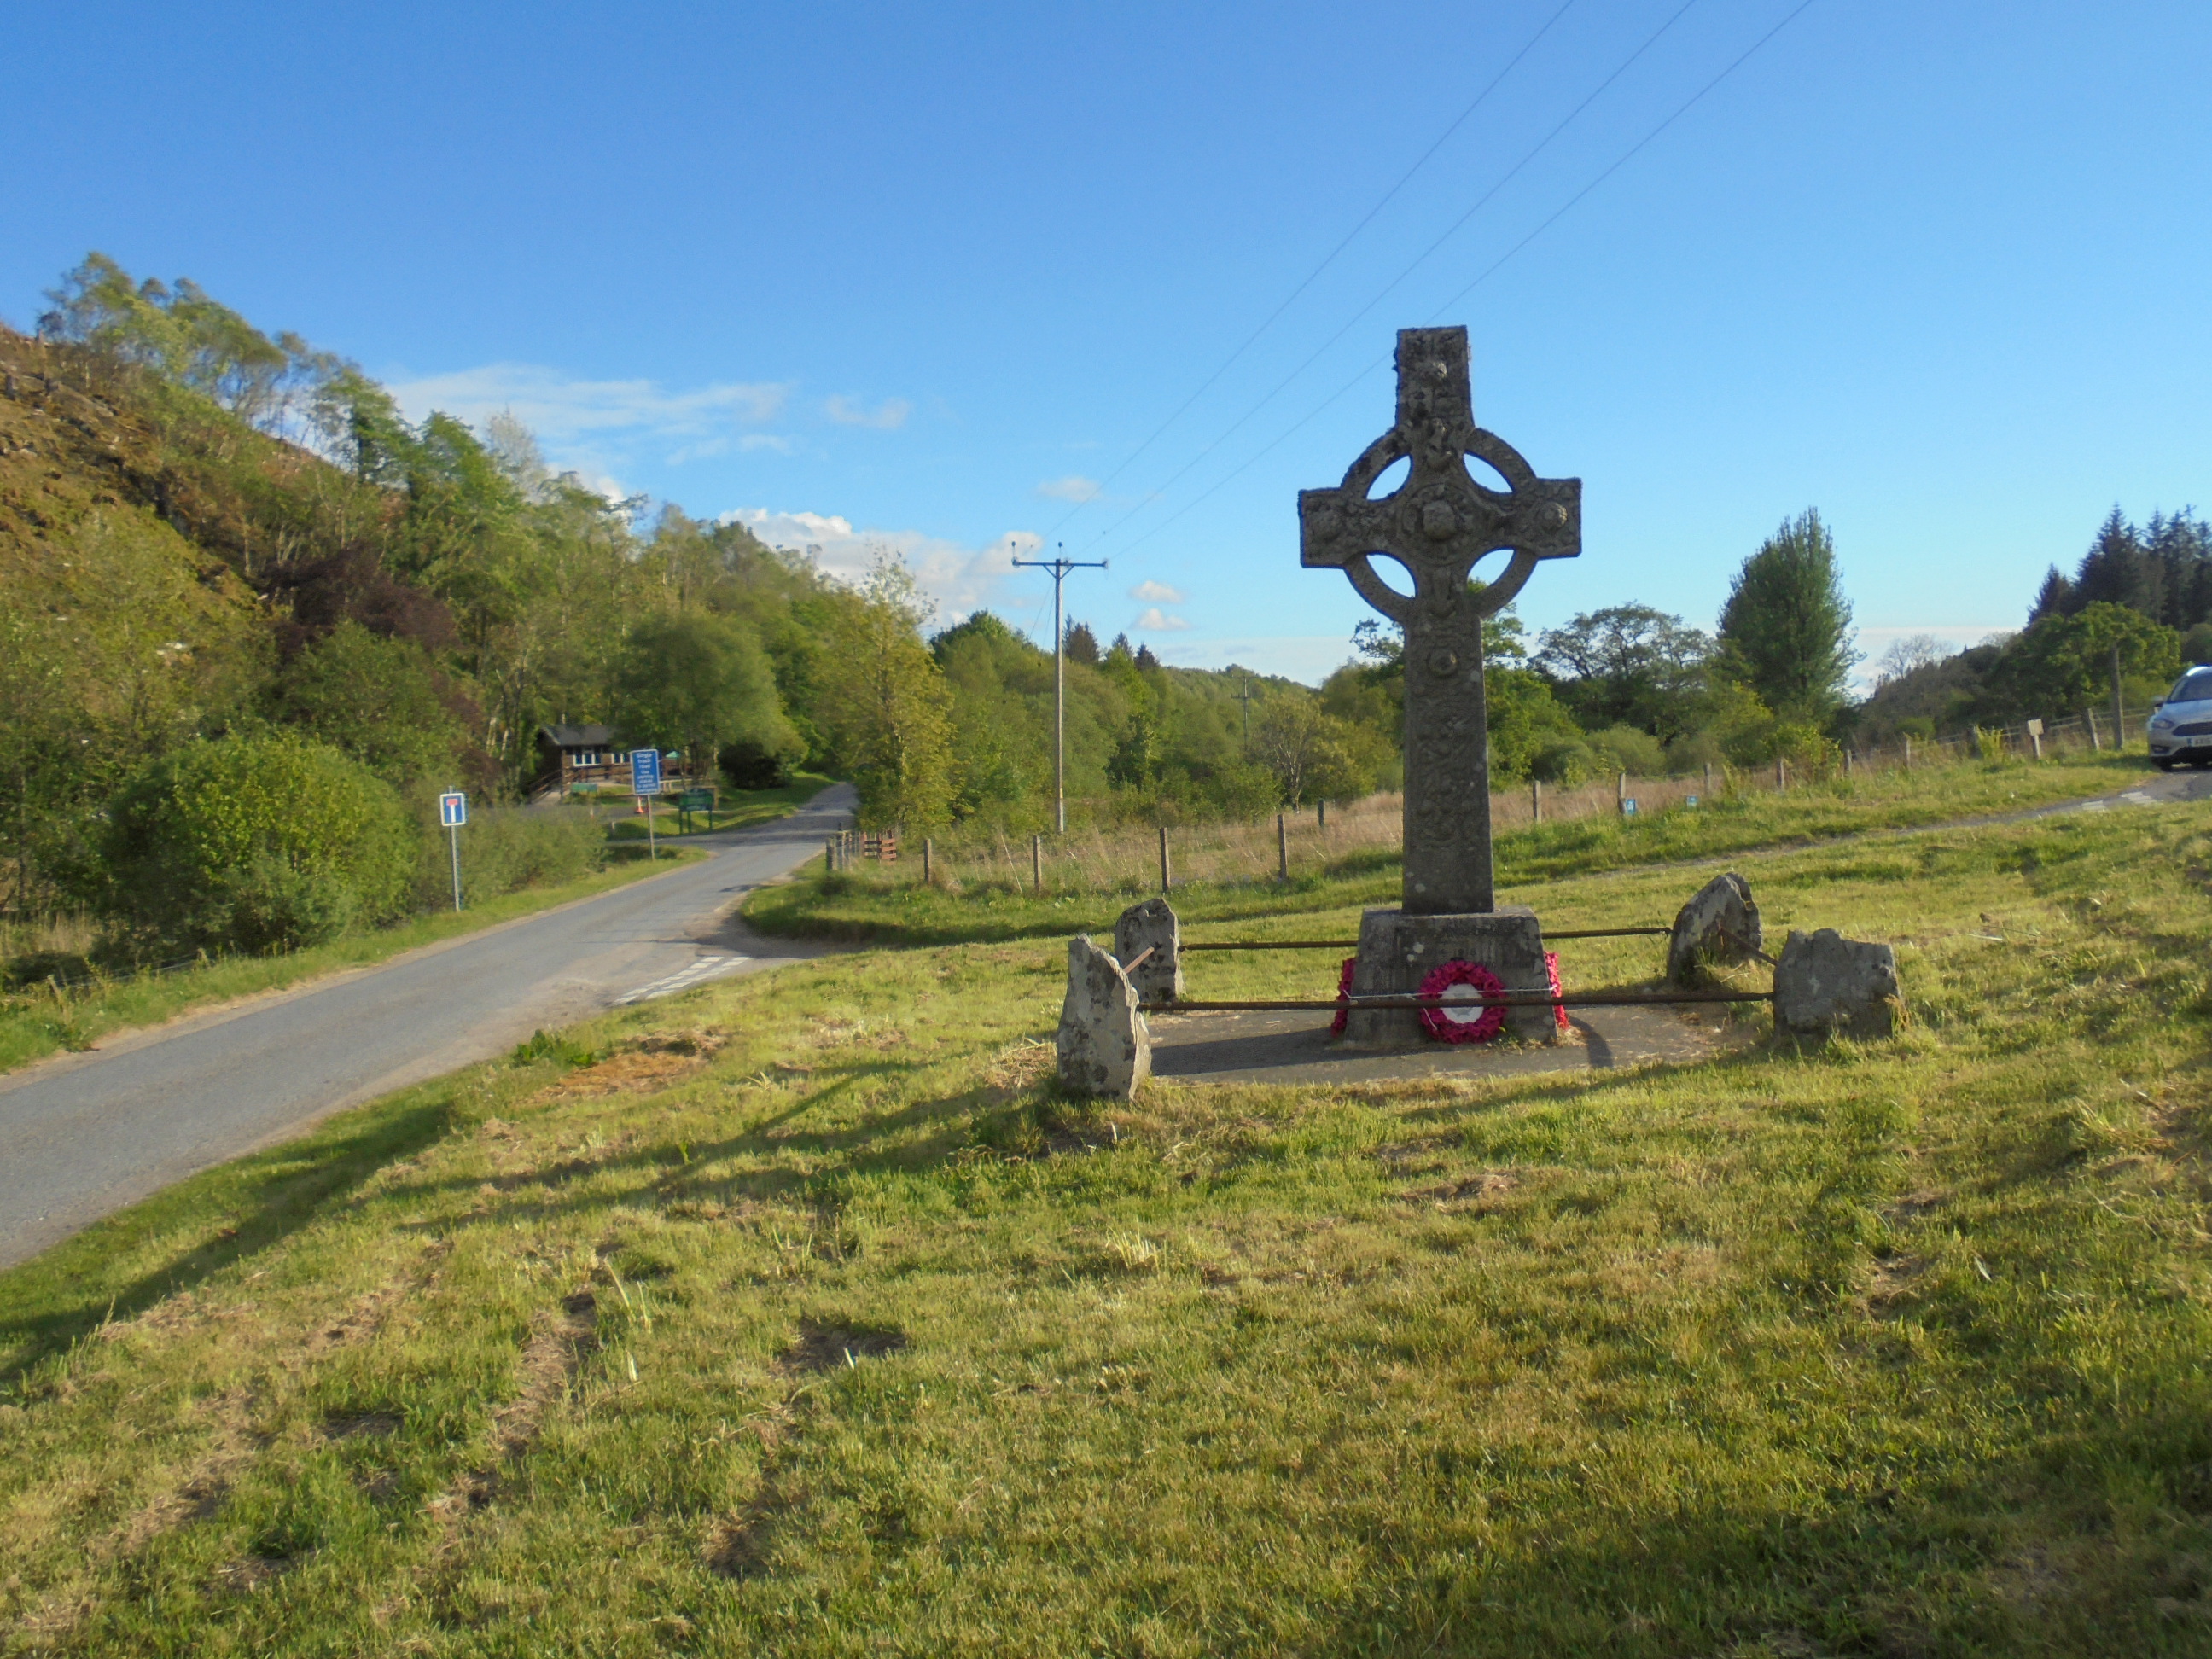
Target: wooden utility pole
<point>1059,566</point>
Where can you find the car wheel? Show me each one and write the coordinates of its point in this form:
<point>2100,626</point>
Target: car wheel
<point>2164,762</point>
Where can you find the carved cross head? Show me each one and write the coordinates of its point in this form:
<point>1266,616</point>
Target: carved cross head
<point>1439,521</point>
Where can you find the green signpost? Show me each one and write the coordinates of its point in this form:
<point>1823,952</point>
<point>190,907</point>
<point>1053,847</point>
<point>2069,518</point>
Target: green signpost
<point>695,800</point>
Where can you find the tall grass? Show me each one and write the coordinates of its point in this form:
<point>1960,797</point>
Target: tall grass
<point>1363,833</point>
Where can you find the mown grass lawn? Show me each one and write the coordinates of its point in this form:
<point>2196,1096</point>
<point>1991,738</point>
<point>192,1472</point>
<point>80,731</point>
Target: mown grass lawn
<point>800,1315</point>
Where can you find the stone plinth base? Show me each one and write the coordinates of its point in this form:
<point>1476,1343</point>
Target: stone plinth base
<point>1396,951</point>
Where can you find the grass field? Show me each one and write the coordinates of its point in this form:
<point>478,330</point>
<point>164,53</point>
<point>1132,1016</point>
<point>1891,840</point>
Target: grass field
<point>801,1315</point>
<point>875,904</point>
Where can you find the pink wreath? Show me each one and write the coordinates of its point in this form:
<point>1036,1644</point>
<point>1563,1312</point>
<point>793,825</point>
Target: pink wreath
<point>1552,973</point>
<point>1476,1025</point>
<point>1343,997</point>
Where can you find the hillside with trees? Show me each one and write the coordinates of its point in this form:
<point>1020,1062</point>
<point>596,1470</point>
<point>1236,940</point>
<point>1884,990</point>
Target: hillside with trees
<point>253,618</point>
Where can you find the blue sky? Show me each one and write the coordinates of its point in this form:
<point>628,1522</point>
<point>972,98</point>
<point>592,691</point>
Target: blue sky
<point>929,276</point>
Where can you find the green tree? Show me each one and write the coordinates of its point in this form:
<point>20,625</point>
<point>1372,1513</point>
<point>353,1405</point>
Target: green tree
<point>696,682</point>
<point>257,843</point>
<point>2063,664</point>
<point>885,703</point>
<point>1313,755</point>
<point>376,700</point>
<point>1627,665</point>
<point>1786,628</point>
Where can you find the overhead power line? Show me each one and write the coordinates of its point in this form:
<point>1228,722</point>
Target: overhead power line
<point>1368,368</point>
<point>1390,287</point>
<point>1404,178</point>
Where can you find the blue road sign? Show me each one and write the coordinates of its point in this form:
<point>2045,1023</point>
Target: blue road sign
<point>452,809</point>
<point>645,771</point>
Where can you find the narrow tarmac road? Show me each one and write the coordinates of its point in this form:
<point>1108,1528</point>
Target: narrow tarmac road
<point>86,1134</point>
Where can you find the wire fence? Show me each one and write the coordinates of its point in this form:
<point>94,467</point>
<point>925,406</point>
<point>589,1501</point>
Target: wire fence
<point>1135,860</point>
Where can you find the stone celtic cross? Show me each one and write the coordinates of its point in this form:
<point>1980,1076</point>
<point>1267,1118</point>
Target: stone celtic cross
<point>1438,524</point>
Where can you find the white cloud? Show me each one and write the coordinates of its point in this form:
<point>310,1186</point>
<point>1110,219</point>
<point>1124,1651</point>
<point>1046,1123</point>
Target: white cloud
<point>1157,621</point>
<point>1074,487</point>
<point>564,412</point>
<point>960,578</point>
<point>887,415</point>
<point>1152,592</point>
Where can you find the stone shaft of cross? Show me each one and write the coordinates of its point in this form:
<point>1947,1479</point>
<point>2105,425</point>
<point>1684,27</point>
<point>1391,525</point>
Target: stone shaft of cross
<point>1437,524</point>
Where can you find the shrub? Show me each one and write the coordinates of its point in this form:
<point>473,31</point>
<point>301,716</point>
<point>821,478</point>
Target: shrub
<point>1567,761</point>
<point>505,849</point>
<point>256,843</point>
<point>749,765</point>
<point>1627,749</point>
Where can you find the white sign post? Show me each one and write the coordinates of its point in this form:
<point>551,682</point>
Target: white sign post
<point>645,784</point>
<point>453,812</point>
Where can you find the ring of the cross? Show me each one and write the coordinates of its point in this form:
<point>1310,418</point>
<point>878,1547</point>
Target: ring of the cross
<point>1396,446</point>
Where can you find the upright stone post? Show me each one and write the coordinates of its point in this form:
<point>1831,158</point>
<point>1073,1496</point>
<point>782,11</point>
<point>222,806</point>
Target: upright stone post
<point>1437,525</point>
<point>2119,714</point>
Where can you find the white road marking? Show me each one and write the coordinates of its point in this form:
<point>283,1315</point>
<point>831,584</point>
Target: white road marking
<point>2094,805</point>
<point>707,968</point>
<point>2138,798</point>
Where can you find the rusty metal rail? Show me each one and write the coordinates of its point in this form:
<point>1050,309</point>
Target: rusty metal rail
<point>1353,944</point>
<point>1511,1000</point>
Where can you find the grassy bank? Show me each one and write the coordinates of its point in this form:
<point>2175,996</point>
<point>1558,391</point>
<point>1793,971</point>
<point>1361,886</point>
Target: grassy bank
<point>877,905</point>
<point>41,1020</point>
<point>740,809</point>
<point>801,1315</point>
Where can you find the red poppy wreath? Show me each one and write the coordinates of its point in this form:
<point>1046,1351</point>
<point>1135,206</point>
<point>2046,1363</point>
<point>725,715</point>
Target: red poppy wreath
<point>1468,1023</point>
<point>1343,997</point>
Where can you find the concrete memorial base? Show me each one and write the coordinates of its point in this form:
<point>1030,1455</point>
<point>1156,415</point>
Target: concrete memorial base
<point>1397,952</point>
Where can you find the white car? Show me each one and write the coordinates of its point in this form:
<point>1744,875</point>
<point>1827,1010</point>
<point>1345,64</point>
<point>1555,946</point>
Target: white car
<point>2181,727</point>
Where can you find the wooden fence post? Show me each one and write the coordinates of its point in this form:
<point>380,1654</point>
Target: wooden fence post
<point>1282,848</point>
<point>1709,780</point>
<point>1165,883</point>
<point>1908,752</point>
<point>1781,775</point>
<point>1535,800</point>
<point>1847,763</point>
<point>927,874</point>
<point>1036,863</point>
<point>2119,714</point>
<point>1321,806</point>
<point>2089,719</point>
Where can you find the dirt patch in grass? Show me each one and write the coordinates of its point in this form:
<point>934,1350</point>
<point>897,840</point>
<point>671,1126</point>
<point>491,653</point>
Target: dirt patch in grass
<point>822,1346</point>
<point>635,1067</point>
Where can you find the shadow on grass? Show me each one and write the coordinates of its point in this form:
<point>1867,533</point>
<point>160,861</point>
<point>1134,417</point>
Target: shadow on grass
<point>219,1216</point>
